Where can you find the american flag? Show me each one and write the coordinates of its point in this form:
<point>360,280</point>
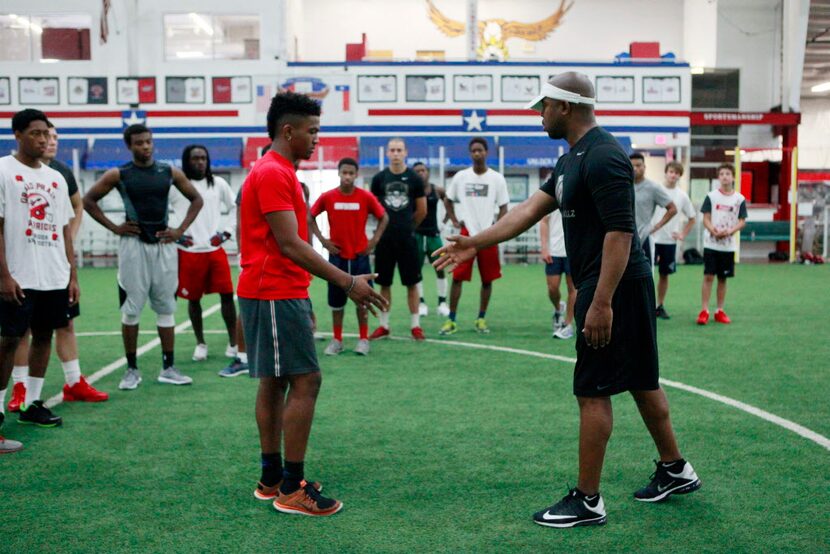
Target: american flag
<point>264,93</point>
<point>105,27</point>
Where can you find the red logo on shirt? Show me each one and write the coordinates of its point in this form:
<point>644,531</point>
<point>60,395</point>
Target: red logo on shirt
<point>54,184</point>
<point>18,178</point>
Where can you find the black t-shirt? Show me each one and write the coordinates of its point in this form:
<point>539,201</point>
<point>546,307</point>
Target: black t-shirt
<point>593,187</point>
<point>66,171</point>
<point>397,193</point>
<point>429,226</point>
<point>144,191</point>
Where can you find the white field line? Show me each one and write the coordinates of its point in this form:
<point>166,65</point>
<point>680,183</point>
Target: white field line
<point>122,361</point>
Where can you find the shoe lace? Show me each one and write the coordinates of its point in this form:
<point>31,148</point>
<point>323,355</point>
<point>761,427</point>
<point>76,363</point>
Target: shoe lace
<point>311,492</point>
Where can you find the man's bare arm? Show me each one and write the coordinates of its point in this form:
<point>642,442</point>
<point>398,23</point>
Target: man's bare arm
<point>100,189</point>
<point>78,208</point>
<point>181,182</point>
<point>420,210</point>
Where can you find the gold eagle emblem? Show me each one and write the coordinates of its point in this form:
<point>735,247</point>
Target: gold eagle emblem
<point>494,33</point>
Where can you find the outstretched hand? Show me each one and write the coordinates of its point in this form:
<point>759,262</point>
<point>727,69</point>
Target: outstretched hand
<point>365,296</point>
<point>459,249</point>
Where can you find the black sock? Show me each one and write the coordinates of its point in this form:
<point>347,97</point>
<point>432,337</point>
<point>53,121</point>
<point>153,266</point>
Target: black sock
<point>677,463</point>
<point>292,476</point>
<point>442,299</point>
<point>586,496</point>
<point>271,469</point>
<point>131,360</point>
<point>167,359</point>
<point>422,300</point>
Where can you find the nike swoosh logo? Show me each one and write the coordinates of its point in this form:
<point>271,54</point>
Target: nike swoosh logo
<point>676,476</point>
<point>661,489</point>
<point>547,516</point>
<point>603,387</point>
<point>580,153</point>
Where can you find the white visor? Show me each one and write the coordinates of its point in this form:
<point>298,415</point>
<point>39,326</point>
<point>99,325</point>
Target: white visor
<point>556,93</point>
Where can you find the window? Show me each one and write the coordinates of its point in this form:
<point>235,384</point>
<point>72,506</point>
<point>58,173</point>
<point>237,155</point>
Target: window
<point>200,36</point>
<point>45,38</point>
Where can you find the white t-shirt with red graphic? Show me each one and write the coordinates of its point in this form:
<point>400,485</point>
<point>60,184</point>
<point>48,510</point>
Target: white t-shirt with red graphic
<point>35,207</point>
<point>726,210</point>
<point>477,198</point>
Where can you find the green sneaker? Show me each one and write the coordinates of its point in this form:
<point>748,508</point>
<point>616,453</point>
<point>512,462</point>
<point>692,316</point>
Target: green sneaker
<point>449,327</point>
<point>481,326</point>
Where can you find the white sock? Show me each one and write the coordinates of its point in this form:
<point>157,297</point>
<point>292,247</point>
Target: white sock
<point>34,385</point>
<point>243,357</point>
<point>71,371</point>
<point>3,401</point>
<point>416,321</point>
<point>19,373</point>
<point>384,320</point>
<point>420,289</point>
<point>441,285</point>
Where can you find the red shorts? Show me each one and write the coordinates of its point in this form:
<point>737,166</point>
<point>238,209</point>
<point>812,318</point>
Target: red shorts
<point>203,273</point>
<point>489,266</point>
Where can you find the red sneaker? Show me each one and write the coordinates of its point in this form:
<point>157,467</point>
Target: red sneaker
<point>703,317</point>
<point>418,334</point>
<point>379,333</point>
<point>18,397</point>
<point>83,392</point>
<point>721,317</point>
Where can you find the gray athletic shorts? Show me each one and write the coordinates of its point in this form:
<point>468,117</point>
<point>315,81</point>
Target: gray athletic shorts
<point>278,337</point>
<point>147,272</point>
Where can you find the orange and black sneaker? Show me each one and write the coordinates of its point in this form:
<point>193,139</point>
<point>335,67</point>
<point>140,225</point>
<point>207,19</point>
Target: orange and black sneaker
<point>264,492</point>
<point>307,501</point>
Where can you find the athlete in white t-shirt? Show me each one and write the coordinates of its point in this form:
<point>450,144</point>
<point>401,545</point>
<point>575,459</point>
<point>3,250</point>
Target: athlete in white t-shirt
<point>38,283</point>
<point>667,237</point>
<point>203,263</point>
<point>552,237</point>
<point>724,215</point>
<point>476,195</point>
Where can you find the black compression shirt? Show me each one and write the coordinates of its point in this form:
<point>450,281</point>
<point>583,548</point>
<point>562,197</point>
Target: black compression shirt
<point>429,226</point>
<point>144,191</point>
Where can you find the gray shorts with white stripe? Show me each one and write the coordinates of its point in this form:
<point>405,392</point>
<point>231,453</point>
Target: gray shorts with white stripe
<point>279,337</point>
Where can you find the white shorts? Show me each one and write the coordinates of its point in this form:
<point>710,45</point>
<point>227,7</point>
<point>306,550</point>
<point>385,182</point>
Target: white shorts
<point>147,271</point>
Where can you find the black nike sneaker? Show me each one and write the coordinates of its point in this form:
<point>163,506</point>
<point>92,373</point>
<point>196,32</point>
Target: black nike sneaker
<point>40,415</point>
<point>574,510</point>
<point>662,313</point>
<point>674,478</point>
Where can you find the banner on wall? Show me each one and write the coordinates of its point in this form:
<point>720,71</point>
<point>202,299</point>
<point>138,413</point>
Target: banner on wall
<point>39,90</point>
<point>87,90</point>
<point>136,90</point>
<point>332,91</point>
<point>231,90</point>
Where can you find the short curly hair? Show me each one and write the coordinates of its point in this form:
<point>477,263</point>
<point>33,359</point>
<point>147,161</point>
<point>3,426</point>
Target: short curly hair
<point>289,105</point>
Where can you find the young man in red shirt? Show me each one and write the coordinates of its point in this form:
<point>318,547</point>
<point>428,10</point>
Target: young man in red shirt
<point>348,209</point>
<point>276,310</point>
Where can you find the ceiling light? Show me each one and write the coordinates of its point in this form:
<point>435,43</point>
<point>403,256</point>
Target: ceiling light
<point>823,87</point>
<point>697,70</point>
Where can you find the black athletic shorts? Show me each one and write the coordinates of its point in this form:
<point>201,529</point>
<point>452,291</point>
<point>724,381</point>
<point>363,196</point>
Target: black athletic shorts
<point>629,361</point>
<point>718,263</point>
<point>42,310</point>
<point>357,266</point>
<point>666,255</point>
<point>396,247</point>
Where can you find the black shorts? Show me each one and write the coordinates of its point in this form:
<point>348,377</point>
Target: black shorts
<point>396,247</point>
<point>629,361</point>
<point>718,263</point>
<point>42,310</point>
<point>357,266</point>
<point>666,255</point>
<point>558,266</point>
<point>647,249</point>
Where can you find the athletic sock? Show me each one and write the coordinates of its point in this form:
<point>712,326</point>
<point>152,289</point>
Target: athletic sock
<point>415,320</point>
<point>420,287</point>
<point>132,362</point>
<point>442,299</point>
<point>452,316</point>
<point>422,300</point>
<point>441,286</point>
<point>34,386</point>
<point>271,469</point>
<point>3,401</point>
<point>481,314</point>
<point>71,371</point>
<point>167,359</point>
<point>677,463</point>
<point>19,373</point>
<point>243,357</point>
<point>384,319</point>
<point>338,332</point>
<point>364,332</point>
<point>292,476</point>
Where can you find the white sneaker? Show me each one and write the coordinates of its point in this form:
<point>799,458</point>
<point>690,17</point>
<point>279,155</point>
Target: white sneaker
<point>231,351</point>
<point>334,348</point>
<point>131,379</point>
<point>557,321</point>
<point>423,310</point>
<point>565,333</point>
<point>362,347</point>
<point>172,376</point>
<point>443,309</point>
<point>200,353</point>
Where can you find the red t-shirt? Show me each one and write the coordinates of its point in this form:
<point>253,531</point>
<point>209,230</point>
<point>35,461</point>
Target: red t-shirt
<point>271,186</point>
<point>347,218</point>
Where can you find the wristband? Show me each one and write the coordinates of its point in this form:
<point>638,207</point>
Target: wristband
<point>351,286</point>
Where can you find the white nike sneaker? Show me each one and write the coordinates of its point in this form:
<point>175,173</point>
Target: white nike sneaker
<point>564,333</point>
<point>231,351</point>
<point>423,310</point>
<point>673,478</point>
<point>443,309</point>
<point>575,510</point>
<point>200,353</point>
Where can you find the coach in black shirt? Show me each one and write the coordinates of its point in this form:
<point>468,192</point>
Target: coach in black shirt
<point>617,346</point>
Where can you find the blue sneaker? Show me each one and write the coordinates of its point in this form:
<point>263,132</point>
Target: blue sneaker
<point>235,368</point>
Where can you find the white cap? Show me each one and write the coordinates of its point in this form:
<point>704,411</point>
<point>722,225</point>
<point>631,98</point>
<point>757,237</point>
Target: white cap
<point>556,93</point>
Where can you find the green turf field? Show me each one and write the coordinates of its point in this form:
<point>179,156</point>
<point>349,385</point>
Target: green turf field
<point>442,448</point>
